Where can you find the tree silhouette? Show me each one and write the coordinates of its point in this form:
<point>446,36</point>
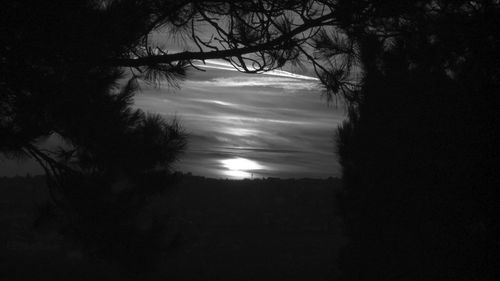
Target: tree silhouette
<point>69,70</point>
<point>419,78</point>
<point>420,192</point>
<point>50,48</point>
<point>113,157</point>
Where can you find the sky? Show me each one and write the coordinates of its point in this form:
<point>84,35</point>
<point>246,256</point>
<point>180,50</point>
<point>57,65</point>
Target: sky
<point>242,125</point>
<point>250,125</point>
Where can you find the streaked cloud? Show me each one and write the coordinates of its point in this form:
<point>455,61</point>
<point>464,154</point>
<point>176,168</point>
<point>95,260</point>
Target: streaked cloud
<point>270,120</point>
<point>277,121</point>
<point>291,84</point>
<point>275,78</point>
<point>223,65</point>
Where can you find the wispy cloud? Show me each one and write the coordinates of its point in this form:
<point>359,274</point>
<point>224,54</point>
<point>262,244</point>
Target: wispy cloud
<point>291,84</point>
<point>275,121</point>
<point>223,65</point>
<point>278,79</point>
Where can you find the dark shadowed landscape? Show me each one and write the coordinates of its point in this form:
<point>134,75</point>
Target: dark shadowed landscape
<point>266,229</point>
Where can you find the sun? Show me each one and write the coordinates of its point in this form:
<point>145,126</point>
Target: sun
<point>240,164</point>
<point>240,167</point>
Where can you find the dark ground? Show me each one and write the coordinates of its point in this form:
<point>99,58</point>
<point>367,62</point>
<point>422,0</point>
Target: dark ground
<point>230,230</point>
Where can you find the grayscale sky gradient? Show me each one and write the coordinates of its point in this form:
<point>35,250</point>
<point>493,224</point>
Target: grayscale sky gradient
<point>269,125</point>
<point>241,125</point>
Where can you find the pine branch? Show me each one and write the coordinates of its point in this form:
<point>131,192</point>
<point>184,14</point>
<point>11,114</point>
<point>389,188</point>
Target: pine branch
<point>217,54</point>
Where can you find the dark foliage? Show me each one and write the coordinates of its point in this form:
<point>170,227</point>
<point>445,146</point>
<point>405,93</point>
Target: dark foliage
<point>418,149</point>
<point>55,83</point>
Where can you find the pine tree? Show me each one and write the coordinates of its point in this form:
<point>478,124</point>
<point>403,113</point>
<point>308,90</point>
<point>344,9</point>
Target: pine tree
<point>420,193</point>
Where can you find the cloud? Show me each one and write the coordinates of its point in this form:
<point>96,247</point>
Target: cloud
<point>223,65</point>
<point>276,120</point>
<point>290,84</point>
<point>225,75</point>
<point>271,120</point>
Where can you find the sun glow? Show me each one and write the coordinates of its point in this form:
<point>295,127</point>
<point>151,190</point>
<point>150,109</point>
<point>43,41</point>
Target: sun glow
<point>237,174</point>
<point>240,167</point>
